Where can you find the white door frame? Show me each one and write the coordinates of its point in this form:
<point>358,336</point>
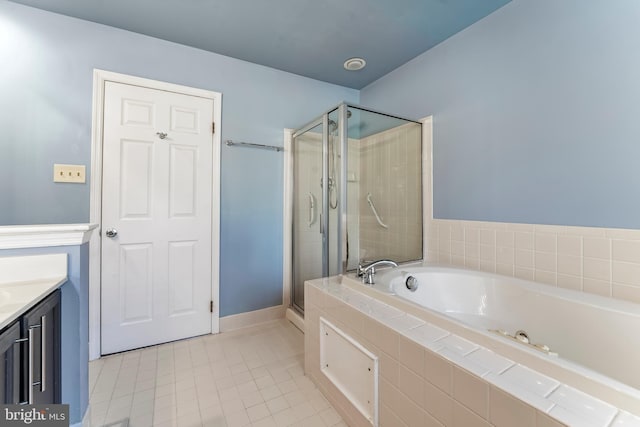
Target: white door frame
<point>99,79</point>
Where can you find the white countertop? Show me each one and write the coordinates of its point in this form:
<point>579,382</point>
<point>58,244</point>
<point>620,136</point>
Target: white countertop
<point>26,280</point>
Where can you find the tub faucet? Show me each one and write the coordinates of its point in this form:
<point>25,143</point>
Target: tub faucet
<point>368,271</point>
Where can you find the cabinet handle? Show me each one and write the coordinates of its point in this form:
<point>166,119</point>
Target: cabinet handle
<point>43,353</point>
<point>30,375</point>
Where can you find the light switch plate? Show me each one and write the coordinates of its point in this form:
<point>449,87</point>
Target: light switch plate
<point>69,173</point>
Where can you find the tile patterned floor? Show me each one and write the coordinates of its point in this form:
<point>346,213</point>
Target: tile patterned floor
<point>251,377</point>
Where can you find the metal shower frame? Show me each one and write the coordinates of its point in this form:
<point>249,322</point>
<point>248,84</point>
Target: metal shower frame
<point>343,134</point>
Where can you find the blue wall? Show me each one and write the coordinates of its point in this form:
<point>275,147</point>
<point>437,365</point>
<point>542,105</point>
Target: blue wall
<point>75,325</point>
<point>536,114</point>
<point>45,116</point>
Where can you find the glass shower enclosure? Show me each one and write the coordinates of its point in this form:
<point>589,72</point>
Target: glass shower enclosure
<point>357,193</point>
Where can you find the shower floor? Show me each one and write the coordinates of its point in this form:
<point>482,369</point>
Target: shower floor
<point>249,377</point>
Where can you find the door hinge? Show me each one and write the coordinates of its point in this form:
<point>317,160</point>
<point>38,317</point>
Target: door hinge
<point>213,127</point>
<point>211,306</point>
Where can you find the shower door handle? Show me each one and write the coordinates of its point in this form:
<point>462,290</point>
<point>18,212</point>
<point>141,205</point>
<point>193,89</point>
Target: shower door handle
<point>312,209</point>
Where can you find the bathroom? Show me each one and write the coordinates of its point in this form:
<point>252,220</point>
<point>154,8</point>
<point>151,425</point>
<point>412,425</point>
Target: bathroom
<point>533,118</point>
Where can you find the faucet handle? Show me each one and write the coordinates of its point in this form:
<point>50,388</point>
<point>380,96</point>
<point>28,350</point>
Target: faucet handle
<point>368,271</point>
<point>361,270</point>
<point>369,276</point>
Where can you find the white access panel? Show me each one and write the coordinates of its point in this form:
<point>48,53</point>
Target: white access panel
<point>351,368</point>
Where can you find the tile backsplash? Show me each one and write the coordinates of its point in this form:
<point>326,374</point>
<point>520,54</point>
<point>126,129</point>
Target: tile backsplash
<point>600,261</point>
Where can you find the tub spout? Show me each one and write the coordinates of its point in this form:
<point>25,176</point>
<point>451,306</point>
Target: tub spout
<point>368,271</point>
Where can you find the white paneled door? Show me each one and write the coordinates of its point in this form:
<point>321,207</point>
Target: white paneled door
<point>156,217</point>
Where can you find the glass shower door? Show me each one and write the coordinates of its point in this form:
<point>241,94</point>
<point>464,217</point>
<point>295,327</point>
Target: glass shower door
<point>357,194</point>
<point>308,237</point>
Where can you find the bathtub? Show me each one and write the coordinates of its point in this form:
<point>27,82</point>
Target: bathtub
<point>597,333</point>
<point>587,342</point>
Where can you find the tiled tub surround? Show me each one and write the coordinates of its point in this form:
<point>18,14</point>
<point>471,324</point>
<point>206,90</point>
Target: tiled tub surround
<point>577,327</point>
<point>602,261</point>
<point>435,371</point>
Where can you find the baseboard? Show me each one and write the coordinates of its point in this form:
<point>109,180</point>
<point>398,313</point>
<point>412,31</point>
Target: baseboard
<point>251,318</point>
<point>295,318</point>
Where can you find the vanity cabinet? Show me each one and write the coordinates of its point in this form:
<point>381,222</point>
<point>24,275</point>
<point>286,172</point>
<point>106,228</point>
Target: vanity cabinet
<point>10,364</point>
<point>41,360</point>
<point>30,355</point>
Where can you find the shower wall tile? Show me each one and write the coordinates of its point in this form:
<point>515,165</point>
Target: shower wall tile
<point>387,161</point>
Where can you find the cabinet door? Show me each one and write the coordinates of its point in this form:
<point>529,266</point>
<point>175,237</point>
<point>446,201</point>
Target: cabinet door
<point>41,360</point>
<point>10,364</point>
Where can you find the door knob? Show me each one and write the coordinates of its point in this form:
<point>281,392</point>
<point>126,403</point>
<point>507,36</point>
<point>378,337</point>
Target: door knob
<point>111,232</point>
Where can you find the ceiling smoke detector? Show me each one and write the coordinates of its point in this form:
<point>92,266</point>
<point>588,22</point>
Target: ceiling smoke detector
<point>354,64</point>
